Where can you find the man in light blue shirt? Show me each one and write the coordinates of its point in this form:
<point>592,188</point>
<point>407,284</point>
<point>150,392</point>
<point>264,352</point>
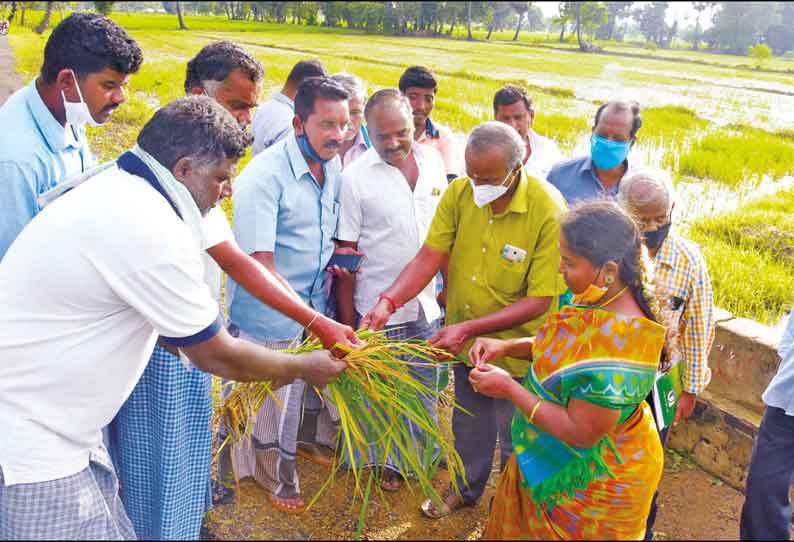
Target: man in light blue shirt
<point>273,119</point>
<point>766,514</point>
<point>285,213</point>
<point>599,174</point>
<point>87,61</point>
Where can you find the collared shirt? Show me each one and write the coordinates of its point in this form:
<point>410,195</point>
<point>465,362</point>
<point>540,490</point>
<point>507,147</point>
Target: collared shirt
<point>360,146</point>
<point>74,342</point>
<point>36,153</point>
<point>545,154</point>
<point>683,280</point>
<point>442,139</point>
<point>485,275</point>
<point>272,122</point>
<point>279,207</point>
<point>389,221</point>
<point>577,180</point>
<point>780,392</point>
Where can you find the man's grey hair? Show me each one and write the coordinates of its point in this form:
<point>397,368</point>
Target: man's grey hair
<point>498,134</point>
<point>389,97</point>
<point>354,85</point>
<point>644,188</point>
<point>194,127</point>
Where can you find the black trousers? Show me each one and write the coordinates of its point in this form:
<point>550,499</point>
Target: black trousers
<point>766,514</point>
<point>475,435</point>
<point>649,522</point>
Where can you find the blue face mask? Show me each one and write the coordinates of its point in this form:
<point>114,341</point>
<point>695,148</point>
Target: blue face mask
<point>305,146</point>
<point>608,154</point>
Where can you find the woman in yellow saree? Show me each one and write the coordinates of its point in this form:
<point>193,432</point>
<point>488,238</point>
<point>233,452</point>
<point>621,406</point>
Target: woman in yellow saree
<point>587,457</point>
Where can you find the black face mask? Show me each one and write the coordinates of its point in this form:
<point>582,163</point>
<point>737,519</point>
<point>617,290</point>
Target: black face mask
<point>654,239</point>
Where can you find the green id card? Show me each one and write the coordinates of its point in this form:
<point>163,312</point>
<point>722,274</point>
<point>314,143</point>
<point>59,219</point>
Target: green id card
<point>666,392</point>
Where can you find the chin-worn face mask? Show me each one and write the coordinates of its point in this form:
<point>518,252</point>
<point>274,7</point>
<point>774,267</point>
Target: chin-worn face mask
<point>591,295</point>
<point>654,239</point>
<point>608,154</point>
<point>487,193</point>
<point>308,150</point>
<point>77,113</point>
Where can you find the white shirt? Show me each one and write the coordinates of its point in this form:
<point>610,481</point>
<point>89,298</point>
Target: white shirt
<point>390,223</point>
<point>272,122</point>
<point>545,154</point>
<point>88,286</point>
<point>217,230</point>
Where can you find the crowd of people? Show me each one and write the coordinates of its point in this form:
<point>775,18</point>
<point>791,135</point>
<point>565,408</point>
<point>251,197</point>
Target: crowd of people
<point>562,288</point>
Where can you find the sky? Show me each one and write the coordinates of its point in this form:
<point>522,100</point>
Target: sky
<point>682,11</point>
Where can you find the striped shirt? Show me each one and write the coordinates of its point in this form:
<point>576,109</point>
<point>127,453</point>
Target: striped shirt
<point>683,279</point>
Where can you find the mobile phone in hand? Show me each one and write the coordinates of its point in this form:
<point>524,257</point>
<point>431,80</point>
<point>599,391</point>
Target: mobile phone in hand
<point>351,262</point>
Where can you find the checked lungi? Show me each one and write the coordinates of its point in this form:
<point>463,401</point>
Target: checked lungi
<point>83,506</point>
<point>161,444</point>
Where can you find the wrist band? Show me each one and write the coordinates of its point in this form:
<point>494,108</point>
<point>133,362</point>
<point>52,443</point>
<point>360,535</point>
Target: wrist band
<point>534,411</point>
<point>394,305</point>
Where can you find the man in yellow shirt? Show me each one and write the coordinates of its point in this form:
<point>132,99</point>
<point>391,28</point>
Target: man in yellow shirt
<point>499,230</point>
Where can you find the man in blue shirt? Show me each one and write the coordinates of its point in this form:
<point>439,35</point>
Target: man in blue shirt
<point>598,175</point>
<point>766,514</point>
<point>88,60</point>
<point>285,213</point>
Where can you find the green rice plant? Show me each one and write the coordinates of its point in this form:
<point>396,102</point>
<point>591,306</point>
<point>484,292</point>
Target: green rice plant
<point>376,397</point>
<point>736,156</point>
<point>671,123</point>
<point>563,129</point>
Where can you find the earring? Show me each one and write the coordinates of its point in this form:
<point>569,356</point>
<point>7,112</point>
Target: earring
<point>609,280</point>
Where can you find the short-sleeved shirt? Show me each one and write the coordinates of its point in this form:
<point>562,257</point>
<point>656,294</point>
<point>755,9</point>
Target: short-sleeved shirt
<point>88,286</point>
<point>545,155</point>
<point>216,230</point>
<point>578,181</point>
<point>389,221</point>
<point>683,279</point>
<point>484,276</point>
<point>36,154</point>
<point>442,139</point>
<point>279,207</point>
<point>272,122</point>
<point>780,392</point>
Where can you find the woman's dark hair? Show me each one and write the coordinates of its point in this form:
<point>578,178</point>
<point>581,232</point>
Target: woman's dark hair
<point>217,60</point>
<point>88,43</point>
<point>601,231</point>
<point>195,127</point>
<point>315,88</point>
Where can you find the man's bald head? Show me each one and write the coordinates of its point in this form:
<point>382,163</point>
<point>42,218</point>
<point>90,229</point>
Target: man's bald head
<point>622,120</point>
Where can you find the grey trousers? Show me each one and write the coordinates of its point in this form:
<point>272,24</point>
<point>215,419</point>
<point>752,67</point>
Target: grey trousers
<point>475,435</point>
<point>766,514</point>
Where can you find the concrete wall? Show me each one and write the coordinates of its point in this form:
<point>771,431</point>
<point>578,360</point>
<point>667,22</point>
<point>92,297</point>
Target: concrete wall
<point>719,436</point>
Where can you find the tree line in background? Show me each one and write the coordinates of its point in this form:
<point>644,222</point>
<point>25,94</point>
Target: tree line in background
<point>734,27</point>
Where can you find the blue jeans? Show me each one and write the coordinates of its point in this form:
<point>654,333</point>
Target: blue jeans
<point>766,513</point>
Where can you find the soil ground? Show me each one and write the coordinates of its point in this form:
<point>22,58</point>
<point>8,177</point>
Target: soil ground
<point>693,504</point>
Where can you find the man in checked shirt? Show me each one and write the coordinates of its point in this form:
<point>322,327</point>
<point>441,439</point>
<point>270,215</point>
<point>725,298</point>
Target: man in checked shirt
<point>683,279</point>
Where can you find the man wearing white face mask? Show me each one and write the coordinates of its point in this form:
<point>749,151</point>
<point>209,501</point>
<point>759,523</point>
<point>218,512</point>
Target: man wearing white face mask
<point>499,229</point>
<point>87,61</point>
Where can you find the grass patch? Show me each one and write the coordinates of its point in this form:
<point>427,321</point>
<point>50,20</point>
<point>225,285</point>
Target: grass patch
<point>738,155</point>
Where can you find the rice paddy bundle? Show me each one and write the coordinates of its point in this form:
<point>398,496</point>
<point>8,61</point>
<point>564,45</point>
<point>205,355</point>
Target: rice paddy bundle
<point>376,397</point>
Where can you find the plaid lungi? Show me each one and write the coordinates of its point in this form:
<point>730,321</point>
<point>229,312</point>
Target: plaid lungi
<point>161,444</point>
<point>83,506</point>
<point>305,417</point>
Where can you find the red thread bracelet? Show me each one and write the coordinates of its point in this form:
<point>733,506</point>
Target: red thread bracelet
<point>394,305</point>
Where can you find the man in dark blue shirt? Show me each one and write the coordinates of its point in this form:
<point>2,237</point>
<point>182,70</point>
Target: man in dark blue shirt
<point>614,132</point>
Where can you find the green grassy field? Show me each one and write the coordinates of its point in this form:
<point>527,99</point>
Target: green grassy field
<point>709,119</point>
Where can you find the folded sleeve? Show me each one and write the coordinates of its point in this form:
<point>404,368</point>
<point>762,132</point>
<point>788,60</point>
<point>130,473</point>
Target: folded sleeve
<point>349,226</point>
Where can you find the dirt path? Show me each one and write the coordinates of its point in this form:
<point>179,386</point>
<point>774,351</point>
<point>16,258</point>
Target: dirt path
<point>693,506</point>
<point>9,78</point>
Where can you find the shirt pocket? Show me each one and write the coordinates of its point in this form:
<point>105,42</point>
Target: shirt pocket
<point>509,278</point>
<point>330,217</point>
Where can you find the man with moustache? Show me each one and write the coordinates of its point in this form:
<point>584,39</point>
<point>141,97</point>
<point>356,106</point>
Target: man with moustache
<point>388,198</point>
<point>285,214</point>
<point>88,61</point>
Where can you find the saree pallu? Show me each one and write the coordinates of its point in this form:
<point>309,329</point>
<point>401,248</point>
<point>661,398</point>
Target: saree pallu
<point>552,490</point>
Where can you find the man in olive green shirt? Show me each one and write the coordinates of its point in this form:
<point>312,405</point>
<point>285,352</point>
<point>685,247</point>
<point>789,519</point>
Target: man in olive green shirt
<point>499,230</point>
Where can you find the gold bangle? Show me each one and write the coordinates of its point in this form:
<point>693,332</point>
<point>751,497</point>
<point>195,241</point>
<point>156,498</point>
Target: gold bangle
<point>534,411</point>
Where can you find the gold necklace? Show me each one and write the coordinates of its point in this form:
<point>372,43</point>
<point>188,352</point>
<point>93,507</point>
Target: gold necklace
<point>613,298</point>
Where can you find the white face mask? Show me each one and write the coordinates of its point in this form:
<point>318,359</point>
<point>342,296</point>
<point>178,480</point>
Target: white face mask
<point>487,193</point>
<point>77,113</point>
